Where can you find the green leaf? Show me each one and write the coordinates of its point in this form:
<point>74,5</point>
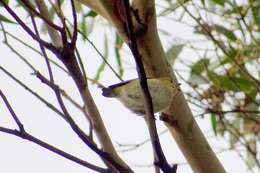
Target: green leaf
<point>244,84</point>
<point>91,14</point>
<point>226,32</point>
<point>214,78</point>
<point>5,19</point>
<point>232,140</point>
<point>213,121</point>
<point>5,1</point>
<point>256,12</point>
<point>221,130</point>
<point>118,46</point>
<point>250,157</point>
<point>103,64</point>
<point>200,66</point>
<point>78,6</point>
<point>83,27</point>
<point>222,81</point>
<point>219,2</point>
<point>197,69</point>
<point>203,2</point>
<point>233,128</point>
<point>173,52</point>
<point>197,79</point>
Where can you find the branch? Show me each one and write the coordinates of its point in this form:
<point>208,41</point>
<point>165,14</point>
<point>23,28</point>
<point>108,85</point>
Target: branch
<point>160,159</point>
<point>224,49</point>
<point>6,33</point>
<point>77,130</point>
<point>75,24</point>
<point>54,35</point>
<point>43,50</point>
<point>26,28</point>
<point>66,55</point>
<point>27,136</point>
<point>16,119</point>
<point>23,134</point>
<point>43,17</point>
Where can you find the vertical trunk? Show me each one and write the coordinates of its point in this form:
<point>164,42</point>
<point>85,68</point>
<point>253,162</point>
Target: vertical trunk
<point>185,130</point>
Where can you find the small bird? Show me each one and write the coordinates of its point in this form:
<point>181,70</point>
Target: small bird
<point>129,92</point>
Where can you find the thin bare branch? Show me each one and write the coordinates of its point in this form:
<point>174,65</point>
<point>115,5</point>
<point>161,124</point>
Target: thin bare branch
<point>43,50</point>
<point>54,35</point>
<point>26,28</point>
<point>75,24</point>
<point>76,128</point>
<point>25,135</point>
<point>15,117</point>
<point>44,18</point>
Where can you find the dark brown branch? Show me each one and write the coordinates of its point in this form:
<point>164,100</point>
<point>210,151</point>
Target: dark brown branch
<point>43,50</point>
<point>77,129</point>
<point>77,52</point>
<point>25,135</point>
<point>49,105</point>
<point>160,159</point>
<point>6,33</point>
<point>63,21</point>
<point>32,10</point>
<point>16,119</point>
<point>100,54</point>
<point>26,28</point>
<point>232,111</point>
<point>75,29</point>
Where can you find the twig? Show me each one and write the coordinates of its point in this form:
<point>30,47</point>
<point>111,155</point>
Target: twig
<point>75,24</point>
<point>100,54</point>
<point>32,10</point>
<point>6,33</point>
<point>16,119</point>
<point>23,134</point>
<point>221,46</point>
<point>29,137</point>
<point>26,28</point>
<point>43,50</point>
<point>130,147</point>
<point>48,104</point>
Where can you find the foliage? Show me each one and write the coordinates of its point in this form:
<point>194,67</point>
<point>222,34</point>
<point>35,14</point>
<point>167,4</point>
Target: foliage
<point>226,79</point>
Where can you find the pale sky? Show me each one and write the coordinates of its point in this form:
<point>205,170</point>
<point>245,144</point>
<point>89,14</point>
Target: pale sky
<point>18,155</point>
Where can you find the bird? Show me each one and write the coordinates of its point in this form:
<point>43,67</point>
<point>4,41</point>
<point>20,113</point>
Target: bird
<point>129,92</point>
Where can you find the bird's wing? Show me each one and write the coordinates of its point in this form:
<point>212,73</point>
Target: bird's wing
<point>109,91</point>
<point>120,84</point>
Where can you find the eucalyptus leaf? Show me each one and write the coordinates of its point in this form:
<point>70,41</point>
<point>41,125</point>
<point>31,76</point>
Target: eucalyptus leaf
<point>213,120</point>
<point>197,79</point>
<point>5,19</point>
<point>226,32</point>
<point>5,1</point>
<point>118,46</point>
<point>251,158</point>
<point>173,52</point>
<point>103,64</point>
<point>200,66</point>
<point>219,2</point>
<point>91,13</point>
